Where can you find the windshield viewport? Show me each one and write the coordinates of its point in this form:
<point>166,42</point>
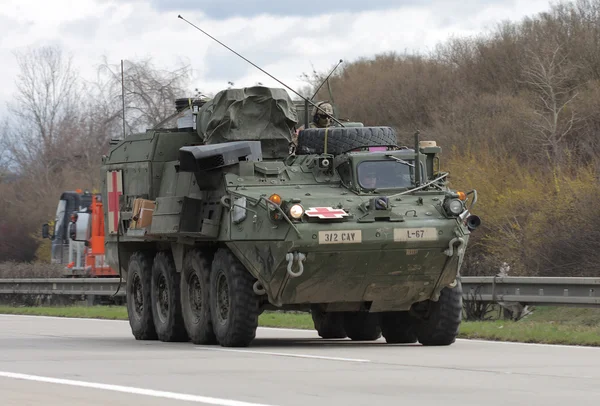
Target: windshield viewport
<point>384,175</point>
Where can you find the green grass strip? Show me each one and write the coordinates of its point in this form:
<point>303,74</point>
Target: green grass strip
<point>94,312</point>
<point>532,332</point>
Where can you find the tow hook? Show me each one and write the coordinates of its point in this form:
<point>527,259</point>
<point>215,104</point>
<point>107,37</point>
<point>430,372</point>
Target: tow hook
<point>295,257</point>
<point>450,250</point>
<point>258,288</point>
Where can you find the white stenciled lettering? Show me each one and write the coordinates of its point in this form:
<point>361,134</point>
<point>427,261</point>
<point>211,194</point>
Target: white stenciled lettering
<point>415,234</point>
<point>412,234</point>
<point>341,237</point>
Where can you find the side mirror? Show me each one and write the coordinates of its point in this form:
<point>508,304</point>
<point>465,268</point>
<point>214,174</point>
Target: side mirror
<point>45,231</point>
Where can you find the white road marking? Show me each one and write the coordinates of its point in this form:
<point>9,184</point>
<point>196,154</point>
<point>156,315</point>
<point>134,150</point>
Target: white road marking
<point>285,354</point>
<point>131,390</point>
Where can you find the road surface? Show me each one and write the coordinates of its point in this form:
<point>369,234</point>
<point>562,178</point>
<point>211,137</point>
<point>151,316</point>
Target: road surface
<point>56,361</point>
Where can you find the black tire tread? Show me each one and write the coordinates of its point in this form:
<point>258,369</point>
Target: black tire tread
<point>344,139</point>
<point>328,325</point>
<point>398,328</point>
<point>174,329</point>
<point>144,329</point>
<point>362,326</point>
<point>203,332</point>
<point>441,328</point>
<point>244,303</point>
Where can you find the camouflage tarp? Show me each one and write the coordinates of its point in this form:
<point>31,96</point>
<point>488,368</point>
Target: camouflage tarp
<point>254,113</point>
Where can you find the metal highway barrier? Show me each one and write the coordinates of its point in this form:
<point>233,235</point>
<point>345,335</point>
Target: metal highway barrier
<point>62,286</point>
<point>583,292</point>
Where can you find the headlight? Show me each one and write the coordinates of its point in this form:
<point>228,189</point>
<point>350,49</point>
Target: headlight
<point>296,211</point>
<point>454,206</point>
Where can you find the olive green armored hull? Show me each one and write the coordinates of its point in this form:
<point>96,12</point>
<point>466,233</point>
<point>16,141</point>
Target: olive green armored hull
<point>341,224</point>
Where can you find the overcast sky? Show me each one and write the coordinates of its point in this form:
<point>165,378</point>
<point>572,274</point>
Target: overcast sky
<point>284,37</point>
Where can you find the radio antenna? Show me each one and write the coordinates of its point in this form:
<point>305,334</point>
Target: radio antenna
<point>262,70</point>
<point>123,96</point>
<point>326,79</point>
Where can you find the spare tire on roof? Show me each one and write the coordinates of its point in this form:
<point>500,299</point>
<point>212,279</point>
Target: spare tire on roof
<point>344,139</point>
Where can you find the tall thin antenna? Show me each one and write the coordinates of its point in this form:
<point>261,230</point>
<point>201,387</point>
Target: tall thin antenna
<point>262,70</point>
<point>123,96</point>
<point>326,79</point>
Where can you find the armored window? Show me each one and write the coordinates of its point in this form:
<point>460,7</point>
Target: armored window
<point>385,175</point>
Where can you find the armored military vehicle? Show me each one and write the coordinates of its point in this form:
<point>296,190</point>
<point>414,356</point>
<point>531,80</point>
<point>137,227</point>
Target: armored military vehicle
<point>219,218</point>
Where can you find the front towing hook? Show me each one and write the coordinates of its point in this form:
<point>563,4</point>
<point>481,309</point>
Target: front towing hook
<point>450,250</point>
<point>295,257</point>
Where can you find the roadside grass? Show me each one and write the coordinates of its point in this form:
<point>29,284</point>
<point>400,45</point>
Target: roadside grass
<point>573,316</point>
<point>286,320</point>
<point>546,325</point>
<point>526,331</point>
<point>93,312</point>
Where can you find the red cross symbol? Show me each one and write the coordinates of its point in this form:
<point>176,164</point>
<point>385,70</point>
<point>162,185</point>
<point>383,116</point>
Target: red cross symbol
<point>114,189</point>
<point>325,212</point>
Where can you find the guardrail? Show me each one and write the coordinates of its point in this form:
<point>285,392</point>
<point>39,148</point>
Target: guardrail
<point>63,286</point>
<point>583,292</point>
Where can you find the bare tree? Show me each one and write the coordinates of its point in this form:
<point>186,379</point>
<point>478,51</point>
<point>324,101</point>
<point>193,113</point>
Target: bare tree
<point>37,134</point>
<point>5,156</point>
<point>47,95</point>
<point>59,127</point>
<point>550,78</point>
<point>150,93</point>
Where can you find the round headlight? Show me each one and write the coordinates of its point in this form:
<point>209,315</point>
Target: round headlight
<point>296,211</point>
<point>455,206</point>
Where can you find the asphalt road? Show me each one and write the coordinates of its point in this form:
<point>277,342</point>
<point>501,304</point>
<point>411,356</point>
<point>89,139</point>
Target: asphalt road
<point>53,361</point>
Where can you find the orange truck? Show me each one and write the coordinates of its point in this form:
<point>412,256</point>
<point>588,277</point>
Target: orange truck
<point>78,235</point>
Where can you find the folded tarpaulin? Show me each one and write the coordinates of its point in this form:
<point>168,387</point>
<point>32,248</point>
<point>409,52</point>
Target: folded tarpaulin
<point>255,113</point>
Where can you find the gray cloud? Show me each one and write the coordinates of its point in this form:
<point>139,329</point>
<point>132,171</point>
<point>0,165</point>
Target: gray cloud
<point>221,9</point>
<point>86,27</point>
<point>284,49</point>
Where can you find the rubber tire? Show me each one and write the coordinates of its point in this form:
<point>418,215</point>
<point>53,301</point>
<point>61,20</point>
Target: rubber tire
<point>172,329</point>
<point>199,328</point>
<point>398,328</point>
<point>445,316</point>
<point>239,329</point>
<point>344,139</point>
<point>362,326</point>
<point>142,327</point>
<point>328,325</point>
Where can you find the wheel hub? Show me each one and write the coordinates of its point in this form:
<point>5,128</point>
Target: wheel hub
<point>195,296</point>
<point>162,305</point>
<point>138,295</point>
<point>222,298</point>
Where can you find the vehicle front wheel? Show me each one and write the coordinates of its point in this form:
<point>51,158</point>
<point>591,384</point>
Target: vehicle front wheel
<point>440,327</point>
<point>233,304</point>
